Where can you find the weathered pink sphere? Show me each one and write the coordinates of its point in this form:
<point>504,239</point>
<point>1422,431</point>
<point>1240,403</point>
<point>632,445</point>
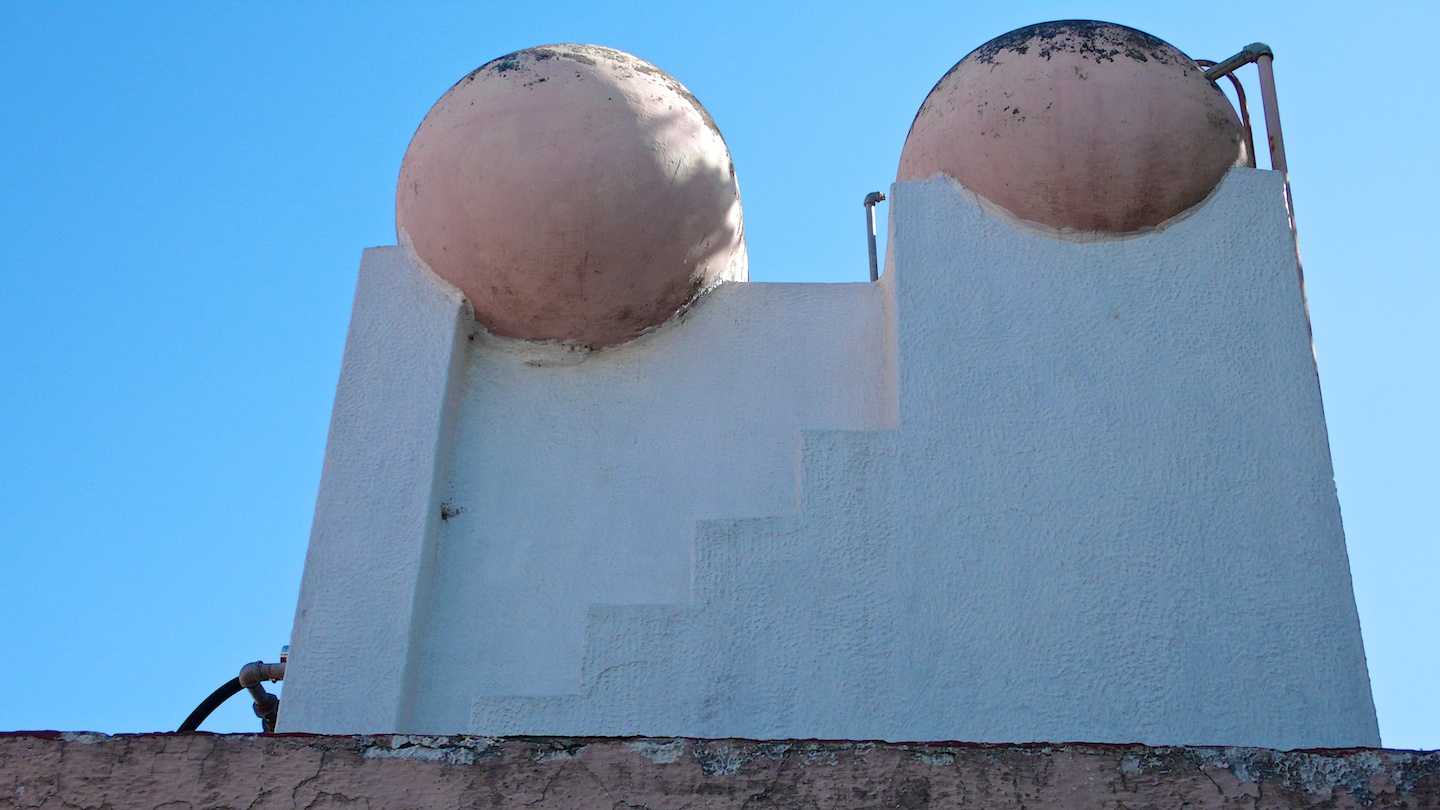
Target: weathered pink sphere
<point>573,193</point>
<point>1077,124</point>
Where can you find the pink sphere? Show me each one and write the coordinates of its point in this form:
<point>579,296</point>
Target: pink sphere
<point>1077,124</point>
<point>573,193</point>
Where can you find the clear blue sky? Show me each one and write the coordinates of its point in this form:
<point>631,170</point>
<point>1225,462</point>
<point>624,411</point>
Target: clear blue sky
<point>185,190</point>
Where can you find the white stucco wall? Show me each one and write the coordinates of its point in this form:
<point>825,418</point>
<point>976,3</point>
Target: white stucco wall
<point>1024,488</point>
<point>378,509</point>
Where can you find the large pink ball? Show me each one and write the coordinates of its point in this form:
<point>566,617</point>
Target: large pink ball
<point>1077,124</point>
<point>573,193</point>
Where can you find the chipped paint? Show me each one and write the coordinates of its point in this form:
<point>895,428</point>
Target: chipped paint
<point>429,748</point>
<point>1077,124</point>
<point>660,753</point>
<point>1096,41</point>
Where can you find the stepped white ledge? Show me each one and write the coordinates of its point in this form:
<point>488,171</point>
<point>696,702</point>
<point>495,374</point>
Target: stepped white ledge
<point>1026,487</point>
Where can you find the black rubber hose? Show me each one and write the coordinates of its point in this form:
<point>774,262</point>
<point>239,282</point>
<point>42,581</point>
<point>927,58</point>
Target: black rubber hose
<point>210,704</point>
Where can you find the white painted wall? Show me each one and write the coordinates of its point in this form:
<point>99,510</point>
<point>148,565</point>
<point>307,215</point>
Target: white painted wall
<point>1025,488</point>
<point>378,509</point>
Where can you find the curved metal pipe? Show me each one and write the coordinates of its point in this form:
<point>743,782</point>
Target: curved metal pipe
<point>252,675</point>
<point>1248,54</point>
<point>267,706</point>
<point>1244,111</point>
<point>1264,58</point>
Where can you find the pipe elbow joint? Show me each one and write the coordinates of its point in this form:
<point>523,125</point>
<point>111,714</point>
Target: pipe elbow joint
<point>250,674</point>
<point>1258,49</point>
<point>256,671</point>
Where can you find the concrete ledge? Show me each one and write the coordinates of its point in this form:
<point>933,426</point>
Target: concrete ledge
<point>79,770</point>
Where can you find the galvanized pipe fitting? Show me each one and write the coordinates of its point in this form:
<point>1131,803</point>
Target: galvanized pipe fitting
<point>267,706</point>
<point>1248,54</point>
<point>1264,59</point>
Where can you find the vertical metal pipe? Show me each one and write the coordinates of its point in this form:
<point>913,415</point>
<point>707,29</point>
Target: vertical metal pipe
<point>1265,63</point>
<point>870,237</point>
<point>870,201</point>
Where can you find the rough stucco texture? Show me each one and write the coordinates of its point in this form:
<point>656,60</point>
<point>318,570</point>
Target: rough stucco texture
<point>52,770</point>
<point>396,379</point>
<point>1023,488</point>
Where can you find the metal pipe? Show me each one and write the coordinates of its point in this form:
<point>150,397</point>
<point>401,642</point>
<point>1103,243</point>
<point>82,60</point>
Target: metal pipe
<point>871,200</point>
<point>1264,59</point>
<point>1244,106</point>
<point>267,706</point>
<point>1248,54</point>
<point>1245,121</point>
<point>1265,63</point>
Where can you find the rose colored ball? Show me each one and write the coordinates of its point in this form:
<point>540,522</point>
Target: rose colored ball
<point>1077,124</point>
<point>573,193</point>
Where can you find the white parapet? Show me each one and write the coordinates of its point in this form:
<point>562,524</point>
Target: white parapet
<point>1029,486</point>
<point>377,513</point>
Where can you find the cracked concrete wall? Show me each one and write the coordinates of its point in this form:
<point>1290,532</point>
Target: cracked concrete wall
<point>55,770</point>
